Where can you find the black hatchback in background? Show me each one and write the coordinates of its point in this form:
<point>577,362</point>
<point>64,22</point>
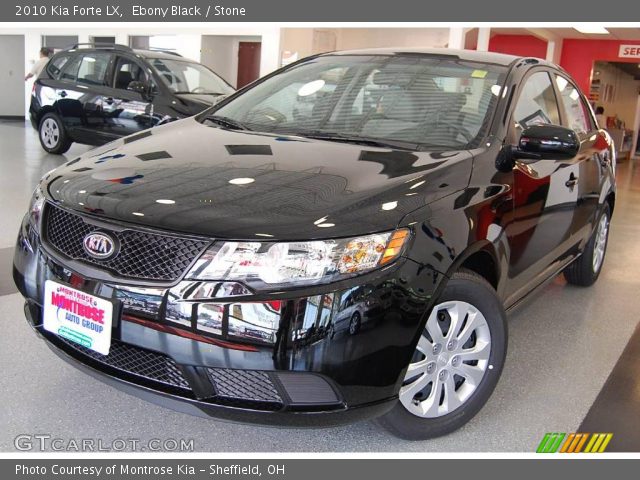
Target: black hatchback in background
<point>340,240</point>
<point>93,93</point>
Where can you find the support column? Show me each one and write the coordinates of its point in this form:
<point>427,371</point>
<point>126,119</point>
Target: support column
<point>484,34</point>
<point>554,49</point>
<point>456,37</point>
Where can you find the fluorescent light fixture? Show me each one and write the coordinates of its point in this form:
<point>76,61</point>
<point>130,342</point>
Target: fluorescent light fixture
<point>389,205</point>
<point>326,225</point>
<point>268,235</point>
<point>241,181</point>
<point>592,29</point>
<point>165,201</point>
<point>137,214</point>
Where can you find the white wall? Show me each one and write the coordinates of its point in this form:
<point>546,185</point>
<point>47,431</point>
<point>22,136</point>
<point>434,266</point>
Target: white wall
<point>220,54</point>
<point>12,75</point>
<point>352,38</point>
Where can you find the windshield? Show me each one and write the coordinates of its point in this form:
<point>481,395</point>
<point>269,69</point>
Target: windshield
<point>189,77</point>
<point>422,101</point>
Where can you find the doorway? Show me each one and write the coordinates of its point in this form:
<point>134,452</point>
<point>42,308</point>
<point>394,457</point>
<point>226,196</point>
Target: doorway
<point>248,62</point>
<point>12,67</point>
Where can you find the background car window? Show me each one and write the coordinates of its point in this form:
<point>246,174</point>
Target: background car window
<point>93,68</point>
<point>189,77</point>
<point>578,118</point>
<point>55,66</point>
<point>419,101</point>
<point>70,69</point>
<point>126,72</point>
<point>537,103</point>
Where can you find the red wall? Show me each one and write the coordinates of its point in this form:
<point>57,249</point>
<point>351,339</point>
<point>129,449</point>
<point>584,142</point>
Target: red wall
<point>578,56</point>
<point>521,45</point>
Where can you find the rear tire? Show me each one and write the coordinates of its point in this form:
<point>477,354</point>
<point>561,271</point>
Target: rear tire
<point>468,311</point>
<point>585,270</point>
<point>53,137</point>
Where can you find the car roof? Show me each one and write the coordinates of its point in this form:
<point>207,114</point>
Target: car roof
<point>468,55</point>
<point>166,54</point>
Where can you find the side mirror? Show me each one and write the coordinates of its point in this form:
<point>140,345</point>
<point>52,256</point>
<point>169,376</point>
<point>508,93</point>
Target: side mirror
<point>139,87</point>
<point>547,142</point>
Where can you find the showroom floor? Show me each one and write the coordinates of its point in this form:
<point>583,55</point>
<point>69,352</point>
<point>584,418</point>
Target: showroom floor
<point>564,345</point>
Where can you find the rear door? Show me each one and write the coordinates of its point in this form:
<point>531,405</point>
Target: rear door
<point>126,111</point>
<point>545,200</point>
<point>577,116</point>
<point>81,85</point>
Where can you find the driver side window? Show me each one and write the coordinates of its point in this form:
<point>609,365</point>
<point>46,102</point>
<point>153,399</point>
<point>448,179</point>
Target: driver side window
<point>537,104</point>
<point>126,72</point>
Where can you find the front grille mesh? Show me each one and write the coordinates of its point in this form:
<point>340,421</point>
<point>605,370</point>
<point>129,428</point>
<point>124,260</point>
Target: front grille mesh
<point>237,386</point>
<point>137,361</point>
<point>143,255</point>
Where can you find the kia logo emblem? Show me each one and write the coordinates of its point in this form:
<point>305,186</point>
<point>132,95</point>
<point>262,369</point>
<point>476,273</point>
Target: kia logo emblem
<point>99,245</point>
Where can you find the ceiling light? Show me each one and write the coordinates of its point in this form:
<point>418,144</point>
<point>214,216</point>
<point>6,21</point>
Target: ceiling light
<point>326,225</point>
<point>165,201</point>
<point>416,185</point>
<point>264,235</point>
<point>137,214</point>
<point>592,29</point>
<point>389,205</point>
<point>320,220</point>
<point>241,181</point>
<point>409,194</point>
<point>82,191</point>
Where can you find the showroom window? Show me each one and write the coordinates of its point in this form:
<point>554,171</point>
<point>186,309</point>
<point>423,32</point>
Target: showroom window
<point>537,103</point>
<point>577,116</point>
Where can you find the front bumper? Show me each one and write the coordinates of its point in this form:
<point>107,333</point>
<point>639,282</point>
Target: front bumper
<point>308,371</point>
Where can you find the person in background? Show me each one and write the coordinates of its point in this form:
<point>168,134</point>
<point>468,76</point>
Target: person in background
<point>45,53</point>
<point>600,118</point>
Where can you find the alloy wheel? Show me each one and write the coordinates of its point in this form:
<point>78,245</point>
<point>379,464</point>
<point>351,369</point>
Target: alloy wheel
<point>450,361</point>
<point>600,244</point>
<point>50,133</point>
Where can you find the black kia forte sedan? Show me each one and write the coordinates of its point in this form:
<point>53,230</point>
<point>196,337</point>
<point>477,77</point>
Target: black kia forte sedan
<point>207,264</point>
<point>96,93</point>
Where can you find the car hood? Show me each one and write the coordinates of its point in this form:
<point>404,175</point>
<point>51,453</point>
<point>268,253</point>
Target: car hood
<point>189,177</point>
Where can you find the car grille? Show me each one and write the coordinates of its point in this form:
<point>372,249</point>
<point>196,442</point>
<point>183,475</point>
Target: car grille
<point>143,255</point>
<point>137,361</point>
<point>237,387</point>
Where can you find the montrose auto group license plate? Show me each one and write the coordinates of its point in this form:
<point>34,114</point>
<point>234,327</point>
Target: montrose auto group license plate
<point>77,316</point>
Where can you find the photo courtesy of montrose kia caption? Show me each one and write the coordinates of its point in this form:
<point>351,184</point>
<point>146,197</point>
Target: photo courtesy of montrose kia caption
<point>340,240</point>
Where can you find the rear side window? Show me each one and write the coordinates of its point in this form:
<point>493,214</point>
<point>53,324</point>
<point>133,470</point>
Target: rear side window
<point>537,104</point>
<point>126,72</point>
<point>93,69</point>
<point>55,66</point>
<point>578,118</point>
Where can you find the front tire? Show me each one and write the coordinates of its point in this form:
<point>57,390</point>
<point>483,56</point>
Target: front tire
<point>53,137</point>
<point>457,363</point>
<point>585,270</point>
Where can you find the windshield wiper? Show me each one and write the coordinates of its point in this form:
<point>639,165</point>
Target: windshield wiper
<point>227,122</point>
<point>358,140</point>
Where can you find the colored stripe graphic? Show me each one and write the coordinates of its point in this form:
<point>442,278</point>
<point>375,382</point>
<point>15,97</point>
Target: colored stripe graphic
<point>574,442</point>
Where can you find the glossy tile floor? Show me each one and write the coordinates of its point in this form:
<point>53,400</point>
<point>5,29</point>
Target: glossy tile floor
<point>564,345</point>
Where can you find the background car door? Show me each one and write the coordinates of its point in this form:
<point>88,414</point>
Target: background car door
<point>545,194</point>
<point>126,111</point>
<point>82,84</point>
<point>578,117</point>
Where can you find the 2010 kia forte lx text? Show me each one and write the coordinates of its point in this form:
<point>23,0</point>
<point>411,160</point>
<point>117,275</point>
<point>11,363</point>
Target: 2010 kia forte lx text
<point>339,240</point>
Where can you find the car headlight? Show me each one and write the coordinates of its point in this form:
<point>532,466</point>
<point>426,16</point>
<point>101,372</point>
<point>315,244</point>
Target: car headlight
<point>35,208</point>
<point>274,264</point>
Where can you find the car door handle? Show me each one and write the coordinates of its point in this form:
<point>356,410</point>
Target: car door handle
<point>63,94</point>
<point>573,180</point>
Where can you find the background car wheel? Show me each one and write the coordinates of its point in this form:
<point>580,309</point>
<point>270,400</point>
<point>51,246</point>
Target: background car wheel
<point>355,323</point>
<point>457,362</point>
<point>585,270</point>
<point>53,138</point>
